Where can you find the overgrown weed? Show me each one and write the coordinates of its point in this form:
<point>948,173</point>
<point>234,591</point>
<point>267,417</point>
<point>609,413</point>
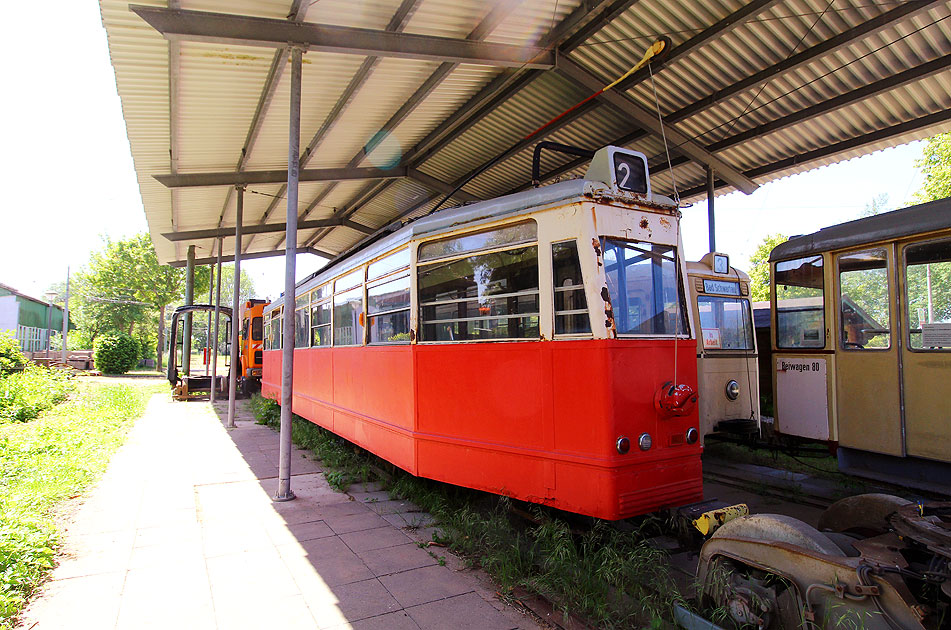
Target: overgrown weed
<point>615,579</point>
<point>43,462</point>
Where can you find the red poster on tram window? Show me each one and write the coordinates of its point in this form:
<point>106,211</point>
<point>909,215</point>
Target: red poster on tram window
<point>711,338</point>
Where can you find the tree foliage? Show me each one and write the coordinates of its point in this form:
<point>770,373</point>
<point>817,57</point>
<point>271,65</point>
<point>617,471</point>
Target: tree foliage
<point>759,267</point>
<point>11,359</point>
<point>116,354</point>
<point>935,163</point>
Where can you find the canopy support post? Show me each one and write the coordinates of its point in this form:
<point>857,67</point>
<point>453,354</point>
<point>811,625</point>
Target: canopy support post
<point>214,343</point>
<point>284,492</point>
<point>711,224</point>
<point>235,311</point>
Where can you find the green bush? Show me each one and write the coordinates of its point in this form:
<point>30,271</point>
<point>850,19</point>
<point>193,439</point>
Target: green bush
<point>11,359</point>
<point>116,354</point>
<point>23,395</point>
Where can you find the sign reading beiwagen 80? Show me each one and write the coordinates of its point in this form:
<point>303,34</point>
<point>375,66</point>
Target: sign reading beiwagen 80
<point>802,404</point>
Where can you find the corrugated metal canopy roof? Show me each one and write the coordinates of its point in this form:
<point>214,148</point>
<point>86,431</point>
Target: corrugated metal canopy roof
<point>760,89</point>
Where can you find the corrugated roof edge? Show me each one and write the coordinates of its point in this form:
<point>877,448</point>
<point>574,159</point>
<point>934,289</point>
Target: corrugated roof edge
<point>445,220</point>
<point>925,217</point>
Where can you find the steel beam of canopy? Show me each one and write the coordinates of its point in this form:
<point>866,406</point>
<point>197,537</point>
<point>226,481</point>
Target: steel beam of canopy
<point>284,492</point>
<point>910,126</point>
<point>256,255</point>
<point>191,235</point>
<point>247,178</point>
<point>235,311</point>
<point>649,121</point>
<point>181,24</point>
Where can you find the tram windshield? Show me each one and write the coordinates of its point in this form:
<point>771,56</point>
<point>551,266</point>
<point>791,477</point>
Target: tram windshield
<point>725,323</point>
<point>642,281</point>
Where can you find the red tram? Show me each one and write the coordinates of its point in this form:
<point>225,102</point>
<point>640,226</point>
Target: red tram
<point>536,345</point>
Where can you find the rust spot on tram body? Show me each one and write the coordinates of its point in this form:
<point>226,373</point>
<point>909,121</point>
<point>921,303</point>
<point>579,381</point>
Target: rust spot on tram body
<point>608,313</point>
<point>412,335</point>
<point>644,223</point>
<point>597,250</point>
<point>665,223</point>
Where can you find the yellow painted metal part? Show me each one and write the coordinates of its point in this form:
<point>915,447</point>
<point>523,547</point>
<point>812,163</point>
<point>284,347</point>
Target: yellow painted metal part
<point>708,522</point>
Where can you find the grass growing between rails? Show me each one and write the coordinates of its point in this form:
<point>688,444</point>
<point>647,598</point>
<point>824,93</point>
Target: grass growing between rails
<point>43,462</point>
<point>612,578</point>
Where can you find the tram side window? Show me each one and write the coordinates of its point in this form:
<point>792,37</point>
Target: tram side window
<point>320,333</point>
<point>725,323</point>
<point>863,300</point>
<point>645,294</point>
<point>388,310</point>
<point>348,318</point>
<point>485,296</point>
<point>928,295</point>
<point>800,310</point>
<point>274,330</point>
<point>302,322</point>
<point>571,307</point>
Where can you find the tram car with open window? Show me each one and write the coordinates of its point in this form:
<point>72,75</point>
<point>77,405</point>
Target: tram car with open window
<point>536,345</point>
<point>862,342</point>
<point>727,360</point>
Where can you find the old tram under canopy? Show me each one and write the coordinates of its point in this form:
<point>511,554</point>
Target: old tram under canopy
<point>862,342</point>
<point>523,346</point>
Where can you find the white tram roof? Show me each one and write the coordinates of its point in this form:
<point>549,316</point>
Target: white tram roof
<point>756,89</point>
<point>474,215</point>
<point>887,226</point>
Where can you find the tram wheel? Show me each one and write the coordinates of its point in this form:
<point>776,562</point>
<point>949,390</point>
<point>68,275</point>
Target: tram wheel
<point>751,598</point>
<point>863,514</point>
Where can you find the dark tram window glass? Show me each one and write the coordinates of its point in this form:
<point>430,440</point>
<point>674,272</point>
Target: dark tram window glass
<point>388,310</point>
<point>725,323</point>
<point>928,295</point>
<point>800,307</point>
<point>643,283</point>
<point>302,327</point>
<point>482,297</point>
<point>320,324</point>
<point>864,318</point>
<point>571,307</point>
<point>348,320</point>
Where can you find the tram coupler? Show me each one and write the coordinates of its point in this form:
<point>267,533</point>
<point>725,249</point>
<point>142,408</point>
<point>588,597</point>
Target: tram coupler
<point>707,516</point>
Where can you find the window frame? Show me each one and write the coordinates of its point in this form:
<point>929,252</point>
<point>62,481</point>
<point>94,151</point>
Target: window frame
<point>417,304</point>
<point>324,295</point>
<point>774,296</point>
<point>391,276</point>
<point>839,344</point>
<point>681,287</point>
<point>749,320</point>
<point>904,296</point>
<point>555,313</point>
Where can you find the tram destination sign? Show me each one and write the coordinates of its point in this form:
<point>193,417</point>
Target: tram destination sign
<point>722,287</point>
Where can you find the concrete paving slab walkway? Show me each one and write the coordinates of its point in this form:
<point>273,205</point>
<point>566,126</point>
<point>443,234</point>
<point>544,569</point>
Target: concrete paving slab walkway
<point>181,532</point>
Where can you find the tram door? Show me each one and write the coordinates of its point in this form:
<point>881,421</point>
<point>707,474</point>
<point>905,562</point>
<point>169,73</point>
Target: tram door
<point>867,369</point>
<point>926,353</point>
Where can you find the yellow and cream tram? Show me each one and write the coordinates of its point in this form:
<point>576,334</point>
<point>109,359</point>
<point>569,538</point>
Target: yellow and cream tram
<point>727,369</point>
<point>861,333</point>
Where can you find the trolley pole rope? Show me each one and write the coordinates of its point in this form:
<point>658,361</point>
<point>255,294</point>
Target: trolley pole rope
<point>655,51</point>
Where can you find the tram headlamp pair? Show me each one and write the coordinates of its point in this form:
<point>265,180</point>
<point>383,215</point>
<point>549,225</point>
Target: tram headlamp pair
<point>644,442</point>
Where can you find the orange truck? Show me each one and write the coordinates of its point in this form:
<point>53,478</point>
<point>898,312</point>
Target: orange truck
<point>252,345</point>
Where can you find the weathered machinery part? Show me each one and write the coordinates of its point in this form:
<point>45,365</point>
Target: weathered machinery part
<point>927,524</point>
<point>825,587</point>
<point>864,514</point>
<point>844,542</point>
<point>778,528</point>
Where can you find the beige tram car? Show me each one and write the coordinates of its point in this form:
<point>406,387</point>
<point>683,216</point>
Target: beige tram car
<point>861,334</point>
<point>727,372</point>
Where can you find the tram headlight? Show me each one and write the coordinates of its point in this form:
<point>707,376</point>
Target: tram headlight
<point>732,390</point>
<point>692,435</point>
<point>645,442</point>
<point>623,445</point>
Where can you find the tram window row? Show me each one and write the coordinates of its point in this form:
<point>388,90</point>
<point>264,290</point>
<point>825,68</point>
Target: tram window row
<point>483,286</point>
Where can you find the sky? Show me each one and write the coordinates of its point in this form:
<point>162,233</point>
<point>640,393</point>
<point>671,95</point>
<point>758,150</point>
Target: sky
<point>69,181</point>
